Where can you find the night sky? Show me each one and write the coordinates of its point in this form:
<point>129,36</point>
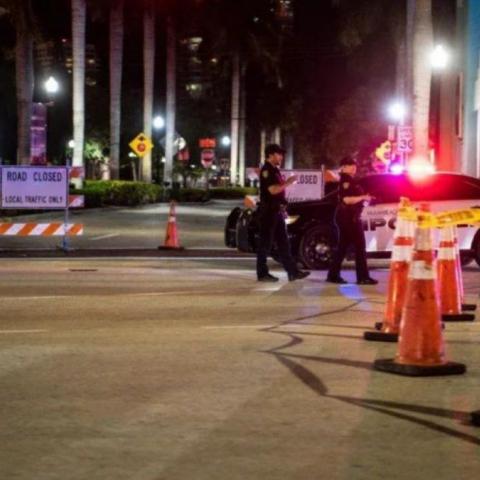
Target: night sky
<point>323,82</point>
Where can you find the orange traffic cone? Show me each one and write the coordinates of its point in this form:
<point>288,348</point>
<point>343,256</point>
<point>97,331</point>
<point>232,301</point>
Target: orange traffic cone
<point>449,279</point>
<point>468,307</point>
<point>401,255</point>
<point>171,235</point>
<point>420,345</point>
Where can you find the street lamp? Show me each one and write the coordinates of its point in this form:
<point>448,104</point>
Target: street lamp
<point>158,122</point>
<point>439,57</point>
<point>51,85</point>
<point>226,141</point>
<point>397,111</point>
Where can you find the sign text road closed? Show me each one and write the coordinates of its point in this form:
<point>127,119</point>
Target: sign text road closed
<point>309,185</point>
<point>34,187</point>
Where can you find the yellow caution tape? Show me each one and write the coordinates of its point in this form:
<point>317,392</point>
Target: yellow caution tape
<point>457,217</point>
<point>468,216</point>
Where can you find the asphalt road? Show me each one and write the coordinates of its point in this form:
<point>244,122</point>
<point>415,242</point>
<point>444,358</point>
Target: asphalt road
<point>199,226</point>
<point>166,369</point>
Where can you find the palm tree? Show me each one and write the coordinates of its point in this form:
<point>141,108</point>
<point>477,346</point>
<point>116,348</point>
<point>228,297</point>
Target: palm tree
<point>422,75</point>
<point>79,15</point>
<point>148,82</point>
<point>21,15</point>
<point>243,33</point>
<point>116,63</point>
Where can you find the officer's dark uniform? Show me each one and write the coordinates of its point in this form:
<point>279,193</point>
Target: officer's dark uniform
<point>350,231</point>
<point>272,228</point>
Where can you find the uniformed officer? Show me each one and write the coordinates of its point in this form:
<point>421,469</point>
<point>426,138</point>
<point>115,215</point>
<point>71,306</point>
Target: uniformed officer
<point>351,199</point>
<point>271,216</point>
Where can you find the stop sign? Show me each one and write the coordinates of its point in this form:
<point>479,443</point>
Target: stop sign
<point>207,157</point>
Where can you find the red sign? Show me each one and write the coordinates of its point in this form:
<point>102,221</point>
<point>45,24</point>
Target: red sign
<point>207,143</point>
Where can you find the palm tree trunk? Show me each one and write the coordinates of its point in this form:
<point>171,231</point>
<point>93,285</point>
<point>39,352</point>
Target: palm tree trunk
<point>148,84</point>
<point>242,128</point>
<point>24,75</point>
<point>170,102</point>
<point>235,117</point>
<point>263,144</point>
<point>116,63</point>
<point>79,15</point>
<point>422,74</point>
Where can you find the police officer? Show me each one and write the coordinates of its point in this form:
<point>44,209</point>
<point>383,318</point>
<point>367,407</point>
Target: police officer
<point>271,216</point>
<point>351,199</point>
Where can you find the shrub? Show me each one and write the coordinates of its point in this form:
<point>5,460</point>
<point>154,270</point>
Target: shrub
<point>232,193</point>
<point>99,193</point>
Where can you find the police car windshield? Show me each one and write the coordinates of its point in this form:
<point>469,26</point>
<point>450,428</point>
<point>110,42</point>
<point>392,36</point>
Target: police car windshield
<point>436,187</point>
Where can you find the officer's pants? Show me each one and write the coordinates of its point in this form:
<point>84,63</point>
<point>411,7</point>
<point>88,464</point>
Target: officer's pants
<point>350,232</point>
<point>273,229</point>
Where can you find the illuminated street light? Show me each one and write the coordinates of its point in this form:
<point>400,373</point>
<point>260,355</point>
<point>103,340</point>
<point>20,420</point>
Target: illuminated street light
<point>226,141</point>
<point>51,85</point>
<point>158,122</point>
<point>439,57</point>
<point>71,143</point>
<point>397,111</point>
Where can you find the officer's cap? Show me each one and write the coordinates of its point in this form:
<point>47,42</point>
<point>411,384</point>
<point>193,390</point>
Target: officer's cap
<point>273,148</point>
<point>348,160</point>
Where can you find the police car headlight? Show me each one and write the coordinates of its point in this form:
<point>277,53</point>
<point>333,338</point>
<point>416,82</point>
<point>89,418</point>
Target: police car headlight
<point>292,219</point>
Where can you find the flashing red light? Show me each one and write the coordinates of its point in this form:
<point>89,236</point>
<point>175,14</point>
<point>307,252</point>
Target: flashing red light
<point>420,168</point>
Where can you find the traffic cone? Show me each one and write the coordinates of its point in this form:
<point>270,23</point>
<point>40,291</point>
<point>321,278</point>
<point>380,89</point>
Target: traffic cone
<point>403,238</point>
<point>420,344</point>
<point>476,418</point>
<point>171,234</point>
<point>449,279</point>
<point>467,307</point>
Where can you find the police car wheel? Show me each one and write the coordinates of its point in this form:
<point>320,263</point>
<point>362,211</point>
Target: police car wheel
<point>465,259</point>
<point>476,248</point>
<point>230,228</point>
<point>316,248</point>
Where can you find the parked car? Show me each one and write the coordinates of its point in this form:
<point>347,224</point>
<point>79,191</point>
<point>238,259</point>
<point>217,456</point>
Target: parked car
<point>312,231</point>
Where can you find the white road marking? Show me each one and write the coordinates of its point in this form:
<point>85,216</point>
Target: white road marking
<point>6,332</point>
<point>103,237</point>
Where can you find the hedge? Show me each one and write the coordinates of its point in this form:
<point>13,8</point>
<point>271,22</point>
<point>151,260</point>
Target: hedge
<point>100,193</point>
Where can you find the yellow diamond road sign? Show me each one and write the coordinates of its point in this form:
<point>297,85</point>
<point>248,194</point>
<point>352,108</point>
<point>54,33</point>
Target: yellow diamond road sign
<point>141,145</point>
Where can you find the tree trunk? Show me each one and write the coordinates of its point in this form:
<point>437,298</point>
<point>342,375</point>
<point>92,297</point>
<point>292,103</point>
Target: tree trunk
<point>422,73</point>
<point>148,84</point>
<point>409,29</point>
<point>170,103</point>
<point>78,50</point>
<point>242,128</point>
<point>116,63</point>
<point>235,117</point>
<point>289,149</point>
<point>263,144</point>
<point>24,75</point>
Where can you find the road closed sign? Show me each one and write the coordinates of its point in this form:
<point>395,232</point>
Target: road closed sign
<point>34,187</point>
<point>309,185</point>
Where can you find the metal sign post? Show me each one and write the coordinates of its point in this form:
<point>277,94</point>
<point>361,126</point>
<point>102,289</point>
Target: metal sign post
<point>65,247</point>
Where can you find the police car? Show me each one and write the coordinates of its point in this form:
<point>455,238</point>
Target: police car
<point>312,231</point>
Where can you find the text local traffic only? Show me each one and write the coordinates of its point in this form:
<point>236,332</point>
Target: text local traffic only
<point>34,187</point>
